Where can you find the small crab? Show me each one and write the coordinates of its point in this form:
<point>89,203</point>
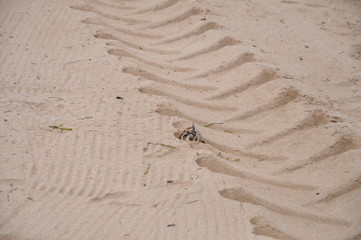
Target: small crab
<point>191,134</point>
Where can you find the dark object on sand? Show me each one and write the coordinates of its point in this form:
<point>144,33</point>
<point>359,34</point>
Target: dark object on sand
<point>191,134</point>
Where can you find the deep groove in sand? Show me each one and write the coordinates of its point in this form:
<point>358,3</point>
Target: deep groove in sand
<point>341,145</point>
<point>240,195</point>
<point>160,6</point>
<point>265,76</point>
<point>181,17</point>
<point>138,72</point>
<point>194,103</point>
<point>224,42</point>
<point>264,228</point>
<point>194,32</point>
<point>122,53</point>
<point>110,5</point>
<point>217,165</point>
<point>282,99</point>
<point>100,22</point>
<point>313,120</point>
<point>120,43</point>
<point>234,63</point>
<point>349,187</point>
<point>89,8</point>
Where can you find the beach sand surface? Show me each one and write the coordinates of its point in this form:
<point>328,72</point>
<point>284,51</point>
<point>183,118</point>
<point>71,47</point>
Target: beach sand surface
<point>95,93</point>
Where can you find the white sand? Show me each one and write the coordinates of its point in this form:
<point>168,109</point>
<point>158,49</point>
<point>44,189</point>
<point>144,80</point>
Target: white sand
<point>272,86</point>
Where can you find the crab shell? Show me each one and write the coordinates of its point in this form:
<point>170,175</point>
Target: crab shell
<point>190,134</point>
<point>185,133</point>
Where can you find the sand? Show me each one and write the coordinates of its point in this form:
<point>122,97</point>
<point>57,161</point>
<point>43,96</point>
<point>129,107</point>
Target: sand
<point>94,94</point>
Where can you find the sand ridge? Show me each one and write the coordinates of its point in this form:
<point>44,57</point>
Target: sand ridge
<point>277,109</point>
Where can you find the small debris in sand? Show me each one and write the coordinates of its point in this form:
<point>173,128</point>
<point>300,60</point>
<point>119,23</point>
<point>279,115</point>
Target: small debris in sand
<point>147,170</point>
<point>192,202</point>
<point>171,225</point>
<point>61,128</point>
<point>211,124</point>
<point>84,118</point>
<point>10,191</point>
<point>158,144</point>
<point>58,98</point>
<point>121,98</point>
<point>145,147</point>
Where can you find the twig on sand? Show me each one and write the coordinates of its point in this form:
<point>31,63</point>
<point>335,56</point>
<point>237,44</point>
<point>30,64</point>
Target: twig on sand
<point>147,169</point>
<point>10,191</point>
<point>211,124</point>
<point>162,145</point>
<point>61,128</point>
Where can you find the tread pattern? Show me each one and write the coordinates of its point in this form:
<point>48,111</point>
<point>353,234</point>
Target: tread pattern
<point>160,56</point>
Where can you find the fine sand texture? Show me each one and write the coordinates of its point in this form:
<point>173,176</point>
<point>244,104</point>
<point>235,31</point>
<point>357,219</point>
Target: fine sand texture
<point>94,95</point>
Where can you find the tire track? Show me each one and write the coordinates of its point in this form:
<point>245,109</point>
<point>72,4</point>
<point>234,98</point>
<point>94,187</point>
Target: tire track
<point>341,145</point>
<point>123,53</point>
<point>345,188</point>
<point>207,105</point>
<point>119,43</point>
<point>101,22</point>
<point>173,20</point>
<point>111,5</point>
<point>92,9</point>
<point>224,42</point>
<point>197,31</point>
<point>157,7</point>
<point>139,72</point>
<point>220,166</point>
<point>264,228</point>
<point>241,195</point>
